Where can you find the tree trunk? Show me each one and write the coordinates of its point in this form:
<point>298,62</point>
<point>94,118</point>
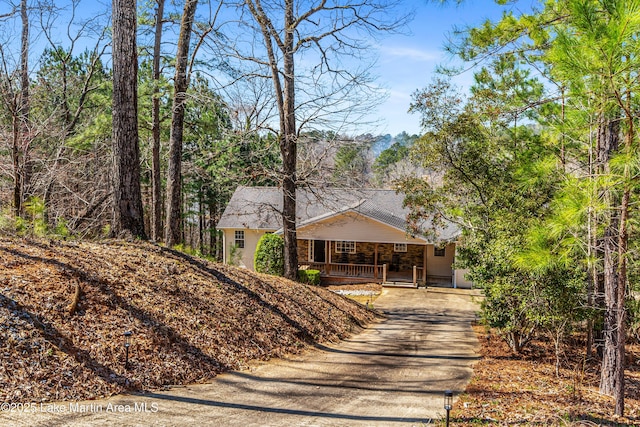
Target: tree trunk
<point>213,231</point>
<point>615,241</point>
<point>289,211</point>
<point>288,150</point>
<point>287,139</point>
<point>156,184</point>
<point>127,197</point>
<point>25,105</point>
<point>173,215</point>
<point>17,173</point>
<point>201,221</point>
<point>21,131</point>
<point>611,364</point>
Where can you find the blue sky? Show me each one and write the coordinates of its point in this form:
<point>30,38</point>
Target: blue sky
<point>407,62</point>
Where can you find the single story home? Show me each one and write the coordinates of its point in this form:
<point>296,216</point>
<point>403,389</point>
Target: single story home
<point>350,235</point>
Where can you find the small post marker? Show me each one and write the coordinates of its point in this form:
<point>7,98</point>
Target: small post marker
<point>448,403</point>
<point>127,344</point>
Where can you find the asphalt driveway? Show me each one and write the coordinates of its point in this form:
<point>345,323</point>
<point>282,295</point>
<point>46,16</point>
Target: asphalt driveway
<point>393,373</point>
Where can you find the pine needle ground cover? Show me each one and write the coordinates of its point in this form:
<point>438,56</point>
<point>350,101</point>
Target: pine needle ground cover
<point>525,391</point>
<point>64,308</point>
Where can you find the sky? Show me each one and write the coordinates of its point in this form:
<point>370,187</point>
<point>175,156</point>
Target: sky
<point>408,62</point>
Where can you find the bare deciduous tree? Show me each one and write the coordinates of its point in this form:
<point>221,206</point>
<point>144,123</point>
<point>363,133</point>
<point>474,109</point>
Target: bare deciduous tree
<point>24,138</point>
<point>181,83</point>
<point>324,94</point>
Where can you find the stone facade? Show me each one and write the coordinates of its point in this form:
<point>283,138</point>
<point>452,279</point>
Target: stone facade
<point>303,250</point>
<point>400,265</point>
<point>365,253</point>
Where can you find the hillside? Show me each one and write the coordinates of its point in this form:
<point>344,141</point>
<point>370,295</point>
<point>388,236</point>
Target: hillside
<point>190,319</point>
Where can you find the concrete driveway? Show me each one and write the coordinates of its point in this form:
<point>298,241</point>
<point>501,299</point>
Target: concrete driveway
<point>393,373</point>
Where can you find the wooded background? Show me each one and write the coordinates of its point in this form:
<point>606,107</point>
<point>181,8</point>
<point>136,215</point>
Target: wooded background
<point>537,163</point>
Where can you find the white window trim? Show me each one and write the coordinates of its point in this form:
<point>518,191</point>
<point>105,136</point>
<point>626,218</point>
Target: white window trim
<point>399,247</point>
<point>340,246</point>
<point>236,239</point>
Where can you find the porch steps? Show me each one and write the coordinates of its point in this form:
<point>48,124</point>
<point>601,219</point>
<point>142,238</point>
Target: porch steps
<point>399,285</point>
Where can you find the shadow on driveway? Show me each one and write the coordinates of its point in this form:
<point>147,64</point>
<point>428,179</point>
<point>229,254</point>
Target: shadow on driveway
<point>392,373</point>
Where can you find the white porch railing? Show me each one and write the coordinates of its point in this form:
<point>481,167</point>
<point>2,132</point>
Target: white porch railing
<point>377,273</point>
<point>348,270</point>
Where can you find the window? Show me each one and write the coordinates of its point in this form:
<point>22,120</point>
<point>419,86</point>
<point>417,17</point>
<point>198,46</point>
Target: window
<point>438,251</point>
<point>239,239</point>
<point>346,247</point>
<point>399,247</point>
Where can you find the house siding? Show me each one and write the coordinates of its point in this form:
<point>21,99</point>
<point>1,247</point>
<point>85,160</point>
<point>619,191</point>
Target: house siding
<point>461,280</point>
<point>245,258</point>
<point>441,266</point>
<point>352,226</point>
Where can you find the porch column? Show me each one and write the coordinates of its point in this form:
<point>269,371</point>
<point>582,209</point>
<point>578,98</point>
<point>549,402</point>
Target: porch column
<point>375,261</point>
<point>327,254</point>
<point>455,284</point>
<point>329,258</point>
<point>224,247</point>
<point>424,265</point>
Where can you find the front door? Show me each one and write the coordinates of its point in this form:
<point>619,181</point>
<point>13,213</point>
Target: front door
<point>319,251</point>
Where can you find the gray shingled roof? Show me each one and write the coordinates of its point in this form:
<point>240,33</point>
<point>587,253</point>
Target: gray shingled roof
<point>260,207</point>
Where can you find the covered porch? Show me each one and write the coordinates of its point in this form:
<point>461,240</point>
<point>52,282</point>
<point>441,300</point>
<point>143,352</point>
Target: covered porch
<point>383,262</point>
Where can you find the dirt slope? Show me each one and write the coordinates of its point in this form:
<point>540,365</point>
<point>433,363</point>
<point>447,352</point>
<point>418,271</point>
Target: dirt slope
<point>190,319</point>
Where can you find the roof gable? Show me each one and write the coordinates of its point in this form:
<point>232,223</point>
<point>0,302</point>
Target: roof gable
<point>353,225</point>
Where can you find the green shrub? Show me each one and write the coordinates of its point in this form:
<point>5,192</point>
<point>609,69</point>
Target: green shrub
<point>235,255</point>
<point>6,220</point>
<point>34,221</point>
<point>36,209</point>
<point>311,277</point>
<point>61,230</point>
<point>269,257</point>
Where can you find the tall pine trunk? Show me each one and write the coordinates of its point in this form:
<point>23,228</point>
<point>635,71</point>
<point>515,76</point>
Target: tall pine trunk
<point>127,197</point>
<point>173,217</point>
<point>615,242</point>
<point>156,183</point>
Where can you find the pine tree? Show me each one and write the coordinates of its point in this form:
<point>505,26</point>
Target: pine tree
<point>127,197</point>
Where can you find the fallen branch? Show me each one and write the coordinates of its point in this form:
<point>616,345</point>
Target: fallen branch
<point>76,299</point>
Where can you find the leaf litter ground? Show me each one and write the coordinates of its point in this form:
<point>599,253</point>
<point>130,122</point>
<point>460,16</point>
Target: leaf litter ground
<point>190,319</point>
<point>523,390</point>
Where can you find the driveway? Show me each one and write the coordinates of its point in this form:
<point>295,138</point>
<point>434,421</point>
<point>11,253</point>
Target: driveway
<point>392,373</point>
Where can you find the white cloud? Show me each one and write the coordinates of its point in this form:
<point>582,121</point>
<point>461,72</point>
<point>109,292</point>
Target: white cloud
<point>409,53</point>
<point>398,96</point>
